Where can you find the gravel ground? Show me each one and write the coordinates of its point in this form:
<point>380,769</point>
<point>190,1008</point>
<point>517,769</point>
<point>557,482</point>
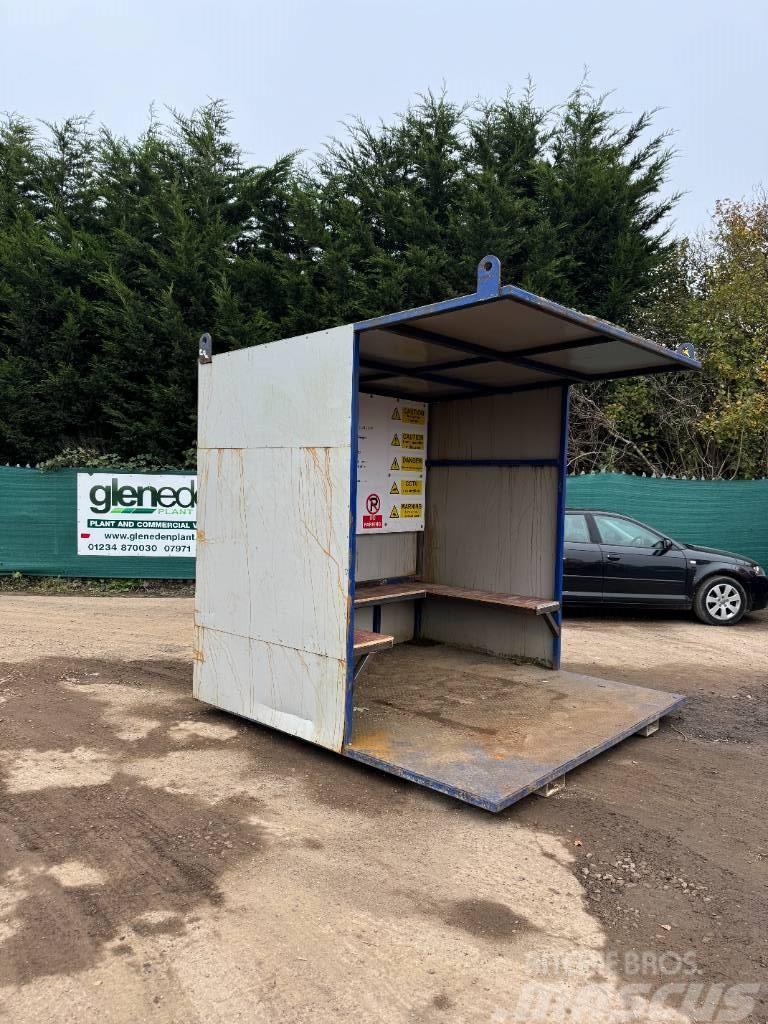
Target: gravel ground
<point>162,861</point>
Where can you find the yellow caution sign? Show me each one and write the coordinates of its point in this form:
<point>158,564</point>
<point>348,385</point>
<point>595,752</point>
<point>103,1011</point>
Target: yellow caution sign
<point>412,414</point>
<point>410,487</point>
<point>396,465</point>
<point>394,513</point>
<point>412,464</point>
<point>396,415</point>
<point>393,489</point>
<point>410,511</point>
<point>396,441</point>
<point>411,440</point>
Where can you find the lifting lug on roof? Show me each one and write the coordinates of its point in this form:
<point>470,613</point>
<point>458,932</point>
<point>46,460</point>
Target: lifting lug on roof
<point>488,276</point>
<point>205,348</point>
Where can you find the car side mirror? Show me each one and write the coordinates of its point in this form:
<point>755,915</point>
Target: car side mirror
<point>663,545</point>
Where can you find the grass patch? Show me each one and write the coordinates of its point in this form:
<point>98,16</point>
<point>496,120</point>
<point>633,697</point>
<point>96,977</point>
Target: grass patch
<point>17,583</point>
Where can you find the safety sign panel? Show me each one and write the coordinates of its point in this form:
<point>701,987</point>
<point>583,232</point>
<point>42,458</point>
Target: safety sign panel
<point>390,483</point>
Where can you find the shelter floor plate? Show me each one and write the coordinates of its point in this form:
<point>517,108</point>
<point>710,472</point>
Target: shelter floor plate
<point>486,730</point>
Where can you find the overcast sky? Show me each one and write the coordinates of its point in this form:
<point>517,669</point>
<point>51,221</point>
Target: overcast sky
<point>292,70</point>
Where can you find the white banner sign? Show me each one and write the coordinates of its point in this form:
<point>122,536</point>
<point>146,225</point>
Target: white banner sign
<point>391,470</point>
<point>146,515</point>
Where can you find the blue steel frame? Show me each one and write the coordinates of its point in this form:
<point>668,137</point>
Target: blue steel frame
<point>562,476</point>
<point>489,289</point>
<point>499,805</point>
<point>350,683</point>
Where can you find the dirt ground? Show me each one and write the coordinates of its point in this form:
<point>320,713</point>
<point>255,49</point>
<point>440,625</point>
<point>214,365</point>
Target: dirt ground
<point>162,861</point>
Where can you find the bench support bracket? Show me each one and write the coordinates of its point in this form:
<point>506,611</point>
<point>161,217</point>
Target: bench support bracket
<point>554,625</point>
<point>362,661</point>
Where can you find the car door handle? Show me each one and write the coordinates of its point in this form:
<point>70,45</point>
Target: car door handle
<point>614,558</point>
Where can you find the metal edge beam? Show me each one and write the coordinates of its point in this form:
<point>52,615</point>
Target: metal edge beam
<point>500,802</point>
<point>537,463</point>
<point>509,389</point>
<point>487,804</point>
<point>492,354</point>
<point>587,755</point>
<point>418,374</point>
<point>454,364</point>
<point>417,396</point>
<point>562,476</point>
<point>589,323</point>
<point>354,431</point>
<point>593,323</point>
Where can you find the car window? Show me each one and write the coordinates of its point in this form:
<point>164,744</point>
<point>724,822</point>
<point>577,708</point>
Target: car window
<point>576,530</point>
<point>621,531</point>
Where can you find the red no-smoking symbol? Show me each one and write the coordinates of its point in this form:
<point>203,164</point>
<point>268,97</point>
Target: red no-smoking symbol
<point>373,504</point>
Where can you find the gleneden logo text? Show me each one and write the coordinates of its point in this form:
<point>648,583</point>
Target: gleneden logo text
<point>144,499</point>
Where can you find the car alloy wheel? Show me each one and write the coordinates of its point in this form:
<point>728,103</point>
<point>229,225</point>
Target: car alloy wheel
<point>723,601</point>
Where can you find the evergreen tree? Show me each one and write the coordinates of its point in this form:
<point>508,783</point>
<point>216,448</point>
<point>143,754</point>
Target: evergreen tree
<point>116,254</point>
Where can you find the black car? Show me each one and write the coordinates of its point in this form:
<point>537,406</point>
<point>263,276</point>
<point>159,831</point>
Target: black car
<point>612,559</point>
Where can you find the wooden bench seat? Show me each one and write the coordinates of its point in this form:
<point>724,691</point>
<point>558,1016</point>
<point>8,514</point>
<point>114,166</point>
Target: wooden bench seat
<point>528,605</point>
<point>371,643</point>
<point>385,593</point>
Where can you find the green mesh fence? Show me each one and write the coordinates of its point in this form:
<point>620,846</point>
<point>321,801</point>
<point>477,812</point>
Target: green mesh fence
<point>38,523</point>
<point>727,514</point>
<point>38,532</point>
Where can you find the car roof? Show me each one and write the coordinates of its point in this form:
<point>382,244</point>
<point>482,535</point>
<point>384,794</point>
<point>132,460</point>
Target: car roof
<point>602,511</point>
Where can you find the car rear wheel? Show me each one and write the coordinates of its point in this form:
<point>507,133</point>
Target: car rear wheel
<point>720,601</point>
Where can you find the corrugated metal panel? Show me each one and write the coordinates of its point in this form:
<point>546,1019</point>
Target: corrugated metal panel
<point>38,532</point>
<point>727,514</point>
<point>524,426</point>
<point>275,431</point>
<point>492,527</point>
<point>387,556</point>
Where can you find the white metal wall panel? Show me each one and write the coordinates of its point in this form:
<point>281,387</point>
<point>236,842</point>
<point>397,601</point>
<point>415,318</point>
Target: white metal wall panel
<point>274,518</point>
<point>293,691</point>
<point>396,620</point>
<point>381,556</point>
<point>518,426</point>
<point>493,527</point>
<point>271,532</point>
<point>490,630</point>
<point>294,392</point>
